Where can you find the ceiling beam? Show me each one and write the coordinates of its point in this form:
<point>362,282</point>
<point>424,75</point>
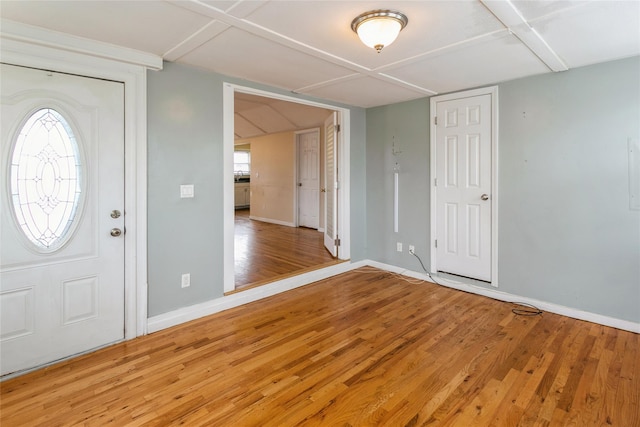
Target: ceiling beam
<point>512,19</point>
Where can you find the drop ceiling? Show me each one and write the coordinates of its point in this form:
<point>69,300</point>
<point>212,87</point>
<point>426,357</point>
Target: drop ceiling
<point>308,47</point>
<point>257,115</point>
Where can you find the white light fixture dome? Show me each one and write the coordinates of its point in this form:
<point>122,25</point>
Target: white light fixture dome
<point>379,28</point>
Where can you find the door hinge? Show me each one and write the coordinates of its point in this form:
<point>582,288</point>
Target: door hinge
<point>337,242</point>
<point>435,182</point>
<point>436,243</point>
<point>337,128</point>
<point>435,120</point>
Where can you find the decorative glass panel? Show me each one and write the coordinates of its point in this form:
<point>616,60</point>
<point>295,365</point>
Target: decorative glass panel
<point>46,182</point>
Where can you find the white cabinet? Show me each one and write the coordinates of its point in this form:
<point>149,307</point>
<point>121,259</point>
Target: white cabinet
<point>242,194</point>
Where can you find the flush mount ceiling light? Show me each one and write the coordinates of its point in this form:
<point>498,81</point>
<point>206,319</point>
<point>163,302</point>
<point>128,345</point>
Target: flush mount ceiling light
<point>379,28</point>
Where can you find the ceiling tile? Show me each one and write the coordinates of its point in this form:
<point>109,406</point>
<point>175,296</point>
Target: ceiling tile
<point>244,128</point>
<point>303,116</point>
<point>486,61</point>
<point>594,32</point>
<point>365,92</point>
<point>326,26</point>
<point>308,46</point>
<point>240,54</point>
<point>149,26</point>
<point>267,119</point>
<point>298,116</point>
<point>531,10</point>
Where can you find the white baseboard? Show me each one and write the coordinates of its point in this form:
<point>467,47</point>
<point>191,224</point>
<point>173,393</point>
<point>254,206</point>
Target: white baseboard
<point>272,221</point>
<point>186,314</point>
<point>504,296</point>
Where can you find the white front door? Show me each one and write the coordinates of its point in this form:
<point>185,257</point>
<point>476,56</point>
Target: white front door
<point>62,216</point>
<point>463,186</point>
<point>308,179</point>
<point>331,184</point>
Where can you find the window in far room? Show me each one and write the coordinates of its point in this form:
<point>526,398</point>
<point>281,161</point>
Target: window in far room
<point>241,163</point>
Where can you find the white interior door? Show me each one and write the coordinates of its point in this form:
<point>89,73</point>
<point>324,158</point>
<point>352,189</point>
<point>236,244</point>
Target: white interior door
<point>331,184</point>
<point>463,188</point>
<point>62,216</point>
<point>308,179</point>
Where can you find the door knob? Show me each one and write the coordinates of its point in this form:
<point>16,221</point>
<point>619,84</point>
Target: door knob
<point>115,232</point>
<point>485,197</point>
<point>323,190</point>
<point>115,214</point>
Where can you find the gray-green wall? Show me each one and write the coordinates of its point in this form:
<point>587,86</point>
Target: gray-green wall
<point>185,140</point>
<point>566,233</point>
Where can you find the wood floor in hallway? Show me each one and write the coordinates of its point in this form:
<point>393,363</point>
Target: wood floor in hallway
<point>265,252</point>
<point>364,348</point>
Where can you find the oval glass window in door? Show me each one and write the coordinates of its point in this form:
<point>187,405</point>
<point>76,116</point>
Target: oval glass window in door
<point>46,179</point>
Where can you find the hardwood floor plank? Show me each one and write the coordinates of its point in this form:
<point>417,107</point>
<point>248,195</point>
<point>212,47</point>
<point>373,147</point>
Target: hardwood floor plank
<point>361,348</point>
<point>265,252</point>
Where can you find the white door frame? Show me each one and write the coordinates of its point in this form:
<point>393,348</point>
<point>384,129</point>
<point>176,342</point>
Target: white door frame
<point>493,91</point>
<point>296,165</point>
<point>344,159</point>
<point>38,48</point>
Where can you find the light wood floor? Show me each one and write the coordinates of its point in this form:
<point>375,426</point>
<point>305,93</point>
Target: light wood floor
<point>363,348</point>
<point>266,252</point>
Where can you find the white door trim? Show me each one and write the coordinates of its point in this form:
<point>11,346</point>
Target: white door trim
<point>344,159</point>
<point>37,48</point>
<point>493,91</point>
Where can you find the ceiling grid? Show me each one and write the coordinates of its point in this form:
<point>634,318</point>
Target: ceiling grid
<point>308,47</point>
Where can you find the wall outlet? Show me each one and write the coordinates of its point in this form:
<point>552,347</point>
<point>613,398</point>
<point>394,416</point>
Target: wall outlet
<point>186,280</point>
<point>399,247</point>
<point>412,249</point>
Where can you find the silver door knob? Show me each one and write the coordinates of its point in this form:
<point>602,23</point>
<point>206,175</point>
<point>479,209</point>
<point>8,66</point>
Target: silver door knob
<point>485,197</point>
<point>115,232</point>
<point>115,214</point>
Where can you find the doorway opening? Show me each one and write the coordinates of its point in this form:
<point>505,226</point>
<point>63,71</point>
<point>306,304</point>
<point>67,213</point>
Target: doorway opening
<point>269,239</point>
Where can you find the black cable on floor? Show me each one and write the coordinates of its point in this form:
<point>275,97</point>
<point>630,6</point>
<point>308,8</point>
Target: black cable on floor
<point>424,269</point>
<point>525,309</point>
<point>522,309</point>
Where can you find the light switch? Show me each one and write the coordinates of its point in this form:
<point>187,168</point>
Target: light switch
<point>186,191</point>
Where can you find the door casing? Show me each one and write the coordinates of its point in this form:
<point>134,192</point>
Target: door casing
<point>344,159</point>
<point>493,92</point>
<point>36,48</point>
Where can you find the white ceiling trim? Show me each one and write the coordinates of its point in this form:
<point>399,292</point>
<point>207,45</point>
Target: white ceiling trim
<point>441,50</point>
<point>241,8</point>
<point>10,30</point>
<point>197,39</point>
<point>260,31</point>
<point>392,79</point>
<point>267,34</point>
<point>504,11</point>
<point>511,18</point>
<point>327,83</point>
<point>450,45</point>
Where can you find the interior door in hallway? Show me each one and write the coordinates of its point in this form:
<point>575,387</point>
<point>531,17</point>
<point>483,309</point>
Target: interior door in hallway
<point>62,216</point>
<point>463,186</point>
<point>307,144</point>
